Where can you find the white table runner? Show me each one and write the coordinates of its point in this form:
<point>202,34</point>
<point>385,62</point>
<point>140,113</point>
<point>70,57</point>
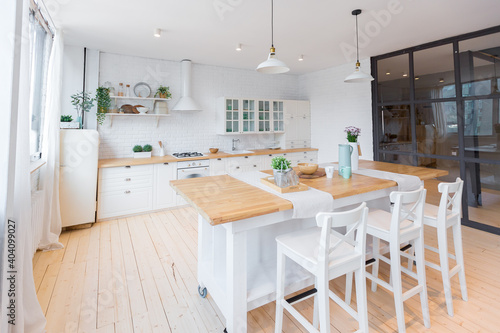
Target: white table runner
<point>305,203</point>
<point>405,182</point>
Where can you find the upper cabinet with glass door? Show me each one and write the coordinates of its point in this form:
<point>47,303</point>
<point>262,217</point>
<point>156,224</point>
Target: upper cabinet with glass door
<point>265,116</point>
<point>278,117</point>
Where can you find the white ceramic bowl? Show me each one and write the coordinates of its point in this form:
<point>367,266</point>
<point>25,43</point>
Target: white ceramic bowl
<point>142,109</point>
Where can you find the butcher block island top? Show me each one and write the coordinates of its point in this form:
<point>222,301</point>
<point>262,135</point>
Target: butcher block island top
<point>222,199</point>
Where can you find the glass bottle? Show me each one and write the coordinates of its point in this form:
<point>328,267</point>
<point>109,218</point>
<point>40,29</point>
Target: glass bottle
<point>120,89</point>
<point>127,90</point>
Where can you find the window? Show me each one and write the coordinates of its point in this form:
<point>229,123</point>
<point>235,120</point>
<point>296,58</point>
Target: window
<point>40,46</point>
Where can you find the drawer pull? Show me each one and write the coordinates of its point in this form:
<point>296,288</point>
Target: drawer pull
<point>127,166</point>
<point>127,179</point>
<point>246,156</point>
<point>166,163</point>
<point>127,192</point>
<point>237,167</point>
<point>219,159</point>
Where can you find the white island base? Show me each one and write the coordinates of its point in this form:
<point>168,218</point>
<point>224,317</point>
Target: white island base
<point>237,260</point>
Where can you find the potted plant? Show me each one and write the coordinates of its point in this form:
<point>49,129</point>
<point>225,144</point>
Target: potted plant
<point>103,103</point>
<point>83,102</point>
<point>67,122</point>
<point>280,166</point>
<point>163,92</point>
<point>142,151</point>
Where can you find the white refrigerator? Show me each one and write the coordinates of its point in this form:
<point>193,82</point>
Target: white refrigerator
<point>79,155</point>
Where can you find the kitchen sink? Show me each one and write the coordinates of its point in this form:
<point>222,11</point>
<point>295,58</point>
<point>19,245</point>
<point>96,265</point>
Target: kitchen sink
<point>239,152</point>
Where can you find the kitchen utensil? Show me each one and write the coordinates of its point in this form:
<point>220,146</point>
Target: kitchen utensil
<point>142,109</point>
<point>345,151</point>
<point>142,89</point>
<point>127,108</point>
<point>319,173</point>
<point>213,150</point>
<point>307,168</point>
<point>329,171</point>
<point>345,172</point>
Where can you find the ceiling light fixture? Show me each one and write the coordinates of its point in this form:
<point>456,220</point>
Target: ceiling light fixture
<point>301,58</point>
<point>358,75</point>
<point>272,65</point>
<point>388,73</point>
<point>157,32</point>
<point>417,77</point>
<point>441,80</point>
<point>238,47</point>
<point>405,74</point>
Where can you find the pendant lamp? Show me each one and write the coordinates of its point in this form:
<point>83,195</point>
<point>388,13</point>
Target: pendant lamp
<point>358,75</point>
<point>272,65</point>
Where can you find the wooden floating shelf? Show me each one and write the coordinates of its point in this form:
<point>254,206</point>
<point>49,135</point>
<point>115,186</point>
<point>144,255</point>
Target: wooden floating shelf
<point>157,116</point>
<point>141,98</point>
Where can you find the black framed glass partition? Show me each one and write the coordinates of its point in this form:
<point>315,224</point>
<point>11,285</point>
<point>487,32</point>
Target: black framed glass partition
<point>438,106</point>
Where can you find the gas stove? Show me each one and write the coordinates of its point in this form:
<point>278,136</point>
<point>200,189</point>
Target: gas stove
<point>187,155</point>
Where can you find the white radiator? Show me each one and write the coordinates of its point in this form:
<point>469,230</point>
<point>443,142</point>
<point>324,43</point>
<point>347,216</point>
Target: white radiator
<point>37,208</point>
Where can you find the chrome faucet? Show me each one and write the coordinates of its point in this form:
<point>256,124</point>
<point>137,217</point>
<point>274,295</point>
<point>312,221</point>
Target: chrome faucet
<point>234,146</point>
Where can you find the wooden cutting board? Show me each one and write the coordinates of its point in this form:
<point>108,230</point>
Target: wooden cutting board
<point>319,173</point>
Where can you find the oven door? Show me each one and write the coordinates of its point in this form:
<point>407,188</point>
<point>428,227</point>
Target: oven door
<point>192,173</point>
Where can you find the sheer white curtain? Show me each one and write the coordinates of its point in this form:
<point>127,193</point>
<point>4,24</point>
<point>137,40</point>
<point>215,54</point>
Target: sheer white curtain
<point>15,201</point>
<point>49,180</point>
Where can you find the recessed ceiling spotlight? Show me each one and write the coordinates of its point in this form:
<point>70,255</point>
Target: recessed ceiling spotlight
<point>238,47</point>
<point>388,72</point>
<point>301,58</point>
<point>405,74</point>
<point>157,32</point>
<point>417,77</point>
<point>441,80</point>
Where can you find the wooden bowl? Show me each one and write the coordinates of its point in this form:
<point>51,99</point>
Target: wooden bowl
<point>213,150</point>
<point>307,168</point>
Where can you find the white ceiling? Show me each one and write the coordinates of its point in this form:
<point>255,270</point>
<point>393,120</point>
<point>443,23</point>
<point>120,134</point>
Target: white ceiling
<point>207,31</point>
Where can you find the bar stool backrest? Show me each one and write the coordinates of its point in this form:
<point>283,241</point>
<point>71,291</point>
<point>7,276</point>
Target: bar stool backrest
<point>451,198</point>
<point>354,224</point>
<point>408,206</point>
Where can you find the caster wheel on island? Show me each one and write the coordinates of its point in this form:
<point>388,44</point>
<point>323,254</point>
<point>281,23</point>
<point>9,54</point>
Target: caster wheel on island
<point>202,292</point>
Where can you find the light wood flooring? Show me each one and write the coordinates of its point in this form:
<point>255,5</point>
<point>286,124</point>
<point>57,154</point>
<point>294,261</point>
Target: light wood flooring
<point>139,275</point>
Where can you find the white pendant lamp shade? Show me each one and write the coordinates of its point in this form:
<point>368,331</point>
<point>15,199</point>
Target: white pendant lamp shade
<point>358,75</point>
<point>272,65</point>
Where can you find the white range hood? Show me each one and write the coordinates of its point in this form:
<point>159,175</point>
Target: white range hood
<point>186,103</point>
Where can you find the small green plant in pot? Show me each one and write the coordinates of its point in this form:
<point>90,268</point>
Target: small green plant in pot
<point>281,167</point>
<point>163,92</point>
<point>103,103</point>
<point>142,151</point>
<point>66,118</point>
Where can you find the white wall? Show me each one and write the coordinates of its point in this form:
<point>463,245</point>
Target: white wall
<point>184,131</point>
<point>72,77</point>
<point>336,105</point>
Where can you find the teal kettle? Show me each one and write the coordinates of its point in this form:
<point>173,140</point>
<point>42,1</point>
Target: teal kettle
<point>345,151</point>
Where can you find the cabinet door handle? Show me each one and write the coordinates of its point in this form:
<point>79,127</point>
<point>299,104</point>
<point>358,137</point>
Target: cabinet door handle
<point>127,179</point>
<point>219,159</point>
<point>237,167</point>
<point>127,166</point>
<point>246,156</point>
<point>166,163</point>
<point>127,192</point>
<point>254,166</point>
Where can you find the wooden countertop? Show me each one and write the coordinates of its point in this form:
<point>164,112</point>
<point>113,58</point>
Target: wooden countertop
<point>222,199</point>
<point>118,162</point>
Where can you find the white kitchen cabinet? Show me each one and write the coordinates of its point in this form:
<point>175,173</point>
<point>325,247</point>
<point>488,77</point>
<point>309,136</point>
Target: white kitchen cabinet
<point>235,165</point>
<point>125,190</point>
<point>217,166</point>
<point>164,195</point>
<point>298,124</point>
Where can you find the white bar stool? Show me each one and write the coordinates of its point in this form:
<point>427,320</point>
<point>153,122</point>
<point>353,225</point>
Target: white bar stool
<point>446,216</point>
<point>326,254</point>
<point>404,225</point>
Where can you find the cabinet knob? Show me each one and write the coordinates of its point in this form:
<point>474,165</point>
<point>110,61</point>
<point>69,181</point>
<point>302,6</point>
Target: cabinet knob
<point>127,166</point>
<point>127,192</point>
<point>127,179</point>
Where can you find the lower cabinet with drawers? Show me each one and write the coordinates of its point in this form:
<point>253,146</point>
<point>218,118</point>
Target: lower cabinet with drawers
<point>135,189</point>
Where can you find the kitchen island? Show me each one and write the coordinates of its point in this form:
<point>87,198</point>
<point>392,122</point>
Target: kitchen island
<point>238,224</point>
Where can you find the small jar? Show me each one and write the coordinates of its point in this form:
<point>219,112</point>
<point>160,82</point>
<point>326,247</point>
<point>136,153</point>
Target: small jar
<point>120,89</point>
<point>127,90</point>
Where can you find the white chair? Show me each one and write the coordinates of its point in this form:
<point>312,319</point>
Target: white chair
<point>404,225</point>
<point>327,254</point>
<point>446,216</point>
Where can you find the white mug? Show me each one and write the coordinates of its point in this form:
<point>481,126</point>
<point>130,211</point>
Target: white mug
<point>329,171</point>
